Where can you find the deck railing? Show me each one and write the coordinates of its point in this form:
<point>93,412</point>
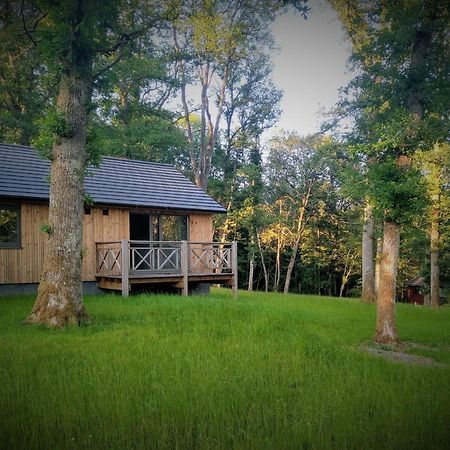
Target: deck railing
<point>139,259</point>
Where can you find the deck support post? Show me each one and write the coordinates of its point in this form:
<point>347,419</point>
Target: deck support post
<point>234,268</point>
<point>125,268</point>
<point>184,255</point>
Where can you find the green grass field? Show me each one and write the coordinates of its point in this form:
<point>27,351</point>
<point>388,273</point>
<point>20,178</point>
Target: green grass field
<point>266,372</point>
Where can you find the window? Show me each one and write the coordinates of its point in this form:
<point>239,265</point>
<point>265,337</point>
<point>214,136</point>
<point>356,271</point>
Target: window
<point>9,226</point>
<point>174,228</point>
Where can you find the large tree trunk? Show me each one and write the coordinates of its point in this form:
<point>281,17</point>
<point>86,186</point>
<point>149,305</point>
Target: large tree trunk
<point>59,301</point>
<point>434,259</point>
<point>386,329</point>
<point>368,270</point>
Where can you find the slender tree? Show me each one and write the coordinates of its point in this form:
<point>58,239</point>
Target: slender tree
<point>368,268</point>
<point>435,165</point>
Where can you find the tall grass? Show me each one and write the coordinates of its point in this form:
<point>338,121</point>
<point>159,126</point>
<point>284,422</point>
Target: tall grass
<point>266,372</point>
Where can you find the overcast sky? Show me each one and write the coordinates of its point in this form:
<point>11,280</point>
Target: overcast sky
<point>310,65</point>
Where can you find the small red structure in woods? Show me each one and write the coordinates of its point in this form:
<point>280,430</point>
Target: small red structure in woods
<point>414,291</point>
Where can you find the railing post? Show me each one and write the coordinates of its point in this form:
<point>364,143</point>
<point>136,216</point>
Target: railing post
<point>125,268</point>
<point>234,268</point>
<point>185,266</point>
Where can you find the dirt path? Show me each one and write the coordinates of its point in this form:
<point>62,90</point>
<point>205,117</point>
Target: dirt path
<point>397,353</point>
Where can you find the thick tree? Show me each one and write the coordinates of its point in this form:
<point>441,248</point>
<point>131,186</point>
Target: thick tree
<point>78,41</point>
<point>402,52</point>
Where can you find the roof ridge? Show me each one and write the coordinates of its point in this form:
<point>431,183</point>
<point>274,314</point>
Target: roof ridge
<point>6,144</point>
<point>141,161</point>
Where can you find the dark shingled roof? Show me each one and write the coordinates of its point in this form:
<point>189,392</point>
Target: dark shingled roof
<point>24,174</point>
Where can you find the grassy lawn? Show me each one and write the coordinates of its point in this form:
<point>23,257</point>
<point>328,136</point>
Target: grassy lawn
<point>265,372</point>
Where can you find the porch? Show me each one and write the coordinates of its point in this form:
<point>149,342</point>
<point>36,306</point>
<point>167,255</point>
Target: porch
<point>122,264</point>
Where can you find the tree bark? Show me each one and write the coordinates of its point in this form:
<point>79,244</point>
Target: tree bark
<point>386,329</point>
<point>368,270</point>
<point>377,265</point>
<point>251,272</point>
<point>59,301</point>
<point>434,258</point>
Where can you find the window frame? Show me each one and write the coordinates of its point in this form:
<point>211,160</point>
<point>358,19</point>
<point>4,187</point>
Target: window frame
<point>18,243</point>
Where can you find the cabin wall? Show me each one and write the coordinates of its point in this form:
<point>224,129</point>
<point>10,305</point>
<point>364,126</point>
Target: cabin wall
<point>98,227</point>
<point>24,265</point>
<point>201,228</point>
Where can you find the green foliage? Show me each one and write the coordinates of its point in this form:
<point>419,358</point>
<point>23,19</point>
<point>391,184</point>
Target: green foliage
<point>46,228</point>
<point>209,372</point>
<point>398,98</point>
<point>24,88</point>
<point>399,191</point>
<point>57,124</point>
<point>88,199</point>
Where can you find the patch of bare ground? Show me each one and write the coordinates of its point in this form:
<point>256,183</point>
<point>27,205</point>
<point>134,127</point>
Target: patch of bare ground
<point>398,353</point>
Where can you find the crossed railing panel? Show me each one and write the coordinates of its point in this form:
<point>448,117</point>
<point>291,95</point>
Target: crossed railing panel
<point>155,259</point>
<point>146,257</point>
<point>109,259</point>
<point>210,258</point>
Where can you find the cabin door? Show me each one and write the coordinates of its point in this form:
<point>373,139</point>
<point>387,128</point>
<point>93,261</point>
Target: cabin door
<point>143,227</point>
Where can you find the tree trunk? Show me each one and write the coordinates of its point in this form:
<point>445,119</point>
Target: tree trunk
<point>434,259</point>
<point>368,271</point>
<point>377,265</point>
<point>386,329</point>
<point>276,281</point>
<point>346,274</point>
<point>59,301</point>
<point>263,264</point>
<point>290,268</point>
<point>251,272</point>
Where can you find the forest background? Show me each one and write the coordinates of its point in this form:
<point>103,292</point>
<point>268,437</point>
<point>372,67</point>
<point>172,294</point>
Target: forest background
<point>190,83</point>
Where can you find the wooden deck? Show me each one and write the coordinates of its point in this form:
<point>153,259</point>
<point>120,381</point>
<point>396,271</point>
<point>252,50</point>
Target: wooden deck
<point>180,264</point>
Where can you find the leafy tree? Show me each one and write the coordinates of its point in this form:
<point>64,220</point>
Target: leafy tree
<point>435,165</point>
<point>131,119</point>
<point>211,40</point>
<point>78,41</point>
<point>401,49</point>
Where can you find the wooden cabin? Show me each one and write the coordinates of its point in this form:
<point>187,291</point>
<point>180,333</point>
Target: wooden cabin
<point>145,224</point>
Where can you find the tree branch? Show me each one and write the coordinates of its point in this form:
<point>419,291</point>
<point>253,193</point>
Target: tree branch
<point>24,23</point>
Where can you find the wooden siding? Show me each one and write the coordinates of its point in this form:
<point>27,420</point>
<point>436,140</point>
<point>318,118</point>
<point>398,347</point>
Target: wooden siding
<point>201,228</point>
<point>100,228</point>
<point>24,265</point>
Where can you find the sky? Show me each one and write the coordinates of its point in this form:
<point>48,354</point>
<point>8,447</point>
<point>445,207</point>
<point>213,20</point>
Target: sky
<point>310,66</point>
